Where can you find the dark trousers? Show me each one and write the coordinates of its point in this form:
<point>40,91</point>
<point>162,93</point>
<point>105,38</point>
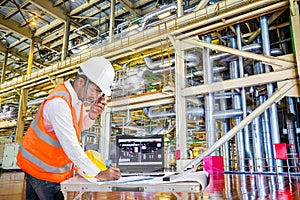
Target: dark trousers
<point>37,189</point>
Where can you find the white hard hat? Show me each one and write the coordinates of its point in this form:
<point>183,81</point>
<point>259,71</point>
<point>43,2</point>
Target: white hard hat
<point>100,71</point>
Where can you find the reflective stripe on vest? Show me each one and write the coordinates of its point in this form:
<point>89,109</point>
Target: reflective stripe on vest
<point>45,137</point>
<point>45,166</point>
<point>60,93</point>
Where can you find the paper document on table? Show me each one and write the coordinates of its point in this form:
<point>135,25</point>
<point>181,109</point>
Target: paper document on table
<point>123,180</point>
<point>127,180</point>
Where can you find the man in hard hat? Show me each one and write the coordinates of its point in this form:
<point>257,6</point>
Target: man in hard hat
<point>50,147</point>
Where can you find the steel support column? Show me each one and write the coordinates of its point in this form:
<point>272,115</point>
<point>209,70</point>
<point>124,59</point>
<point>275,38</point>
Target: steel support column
<point>21,114</point>
<point>30,57</point>
<point>181,119</point>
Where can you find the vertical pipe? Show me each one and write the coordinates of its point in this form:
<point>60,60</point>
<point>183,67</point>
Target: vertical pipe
<point>270,88</point>
<point>210,122</point>
<point>258,143</point>
<point>267,137</point>
<point>65,46</point>
<point>236,103</point>
<point>262,186</point>
<point>284,46</point>
<point>291,131</point>
<point>292,108</point>
<point>256,128</point>
<point>105,133</point>
<point>112,20</point>
<point>266,127</point>
<point>225,128</point>
<point>291,105</point>
<point>229,185</point>
<point>248,152</point>
<point>179,8</point>
<point>245,187</point>
<point>223,106</point>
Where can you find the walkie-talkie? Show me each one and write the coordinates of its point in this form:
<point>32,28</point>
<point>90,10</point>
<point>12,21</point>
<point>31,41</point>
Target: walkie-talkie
<point>101,98</point>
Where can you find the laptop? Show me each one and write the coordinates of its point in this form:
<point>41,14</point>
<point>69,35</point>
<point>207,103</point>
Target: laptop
<point>140,155</point>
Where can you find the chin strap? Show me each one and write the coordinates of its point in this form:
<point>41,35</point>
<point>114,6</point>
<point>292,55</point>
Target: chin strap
<point>85,92</point>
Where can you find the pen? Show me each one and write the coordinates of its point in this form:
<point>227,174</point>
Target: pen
<point>127,181</point>
<point>108,164</point>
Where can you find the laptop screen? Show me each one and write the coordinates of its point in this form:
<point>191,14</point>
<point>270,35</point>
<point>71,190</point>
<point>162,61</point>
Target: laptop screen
<point>140,153</point>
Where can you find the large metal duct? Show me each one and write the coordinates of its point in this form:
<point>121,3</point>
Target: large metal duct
<point>250,47</point>
<point>87,43</point>
<point>149,16</point>
<point>152,115</point>
<point>192,60</point>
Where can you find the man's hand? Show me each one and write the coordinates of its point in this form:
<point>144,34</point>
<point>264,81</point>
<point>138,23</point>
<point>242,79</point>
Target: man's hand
<point>96,109</point>
<point>109,174</point>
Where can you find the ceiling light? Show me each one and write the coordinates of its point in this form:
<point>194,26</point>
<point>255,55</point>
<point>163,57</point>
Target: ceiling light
<point>164,15</point>
<point>33,23</point>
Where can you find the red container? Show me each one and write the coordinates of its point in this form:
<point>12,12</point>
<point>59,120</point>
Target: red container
<point>281,151</point>
<point>213,164</point>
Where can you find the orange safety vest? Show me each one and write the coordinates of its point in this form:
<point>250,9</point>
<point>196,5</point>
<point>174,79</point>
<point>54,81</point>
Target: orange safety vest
<point>40,153</point>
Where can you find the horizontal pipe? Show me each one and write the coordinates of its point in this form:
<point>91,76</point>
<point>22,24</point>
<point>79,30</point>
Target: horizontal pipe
<point>225,114</point>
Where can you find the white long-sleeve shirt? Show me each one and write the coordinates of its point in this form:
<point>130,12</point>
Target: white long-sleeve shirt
<point>57,116</point>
